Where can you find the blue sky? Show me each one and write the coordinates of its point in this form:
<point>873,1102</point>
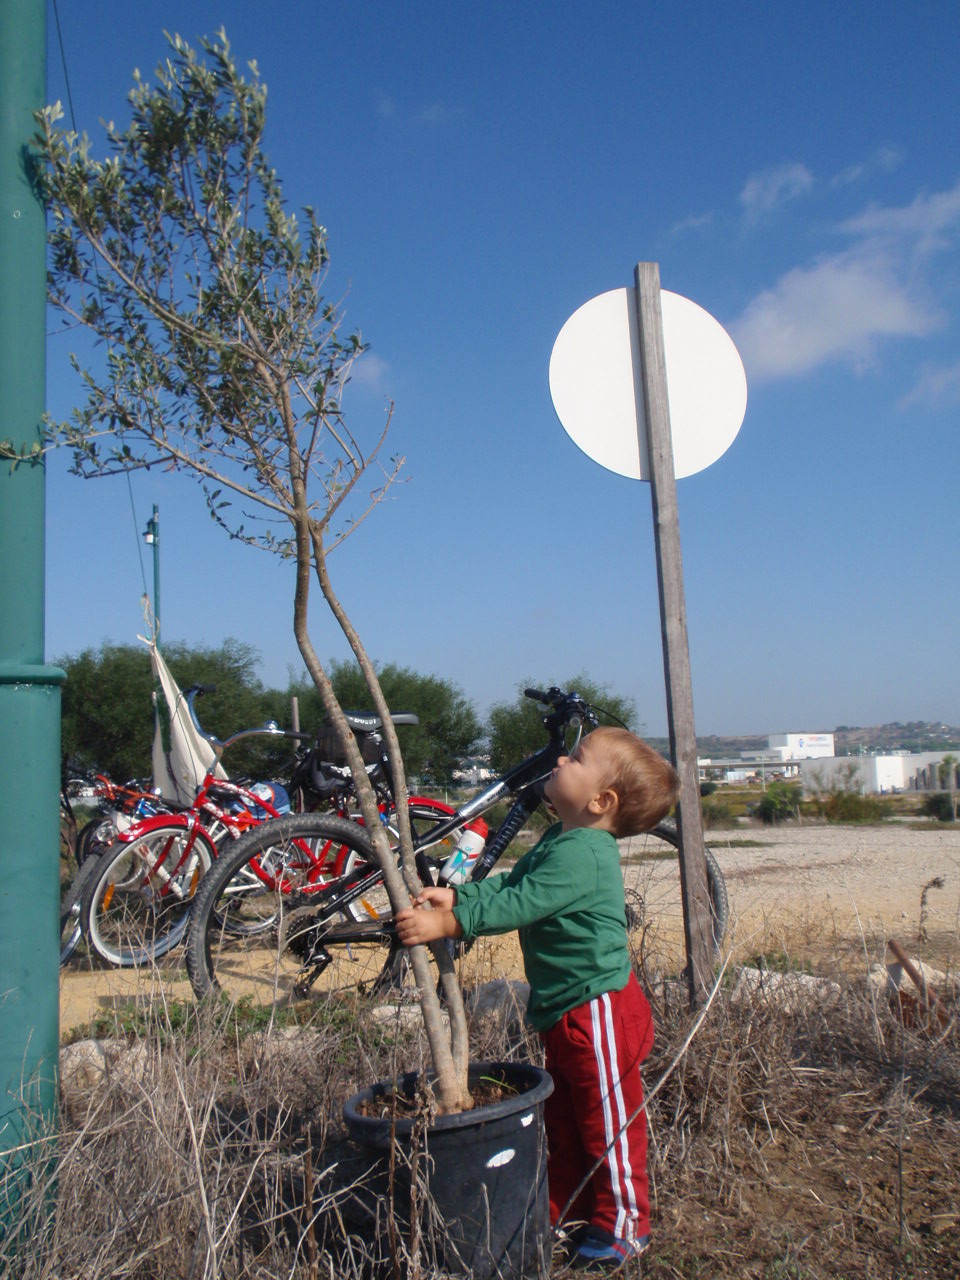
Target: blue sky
<point>483,170</point>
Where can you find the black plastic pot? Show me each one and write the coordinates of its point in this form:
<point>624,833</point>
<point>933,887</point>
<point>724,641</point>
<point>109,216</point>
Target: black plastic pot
<point>485,1170</point>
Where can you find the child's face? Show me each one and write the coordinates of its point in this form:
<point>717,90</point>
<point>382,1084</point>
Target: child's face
<point>576,783</point>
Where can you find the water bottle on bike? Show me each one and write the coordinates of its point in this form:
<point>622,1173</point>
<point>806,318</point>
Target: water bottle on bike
<point>458,868</point>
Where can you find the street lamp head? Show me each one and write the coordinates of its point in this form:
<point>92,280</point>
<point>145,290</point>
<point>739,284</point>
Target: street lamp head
<point>151,535</point>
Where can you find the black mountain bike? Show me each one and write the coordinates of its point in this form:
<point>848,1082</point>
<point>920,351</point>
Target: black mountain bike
<point>264,947</point>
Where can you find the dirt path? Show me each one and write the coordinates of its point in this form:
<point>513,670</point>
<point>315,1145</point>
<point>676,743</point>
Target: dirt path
<point>814,889</point>
<point>818,895</point>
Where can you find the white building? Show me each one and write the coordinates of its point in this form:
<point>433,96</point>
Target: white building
<point>801,746</point>
<point>878,774</point>
<point>809,759</point>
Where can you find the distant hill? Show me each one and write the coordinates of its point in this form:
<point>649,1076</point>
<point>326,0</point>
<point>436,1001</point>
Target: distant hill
<point>914,735</point>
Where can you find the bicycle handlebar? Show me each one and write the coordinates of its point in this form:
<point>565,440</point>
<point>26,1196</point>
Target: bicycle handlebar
<point>568,708</point>
<point>538,696</point>
<point>271,727</point>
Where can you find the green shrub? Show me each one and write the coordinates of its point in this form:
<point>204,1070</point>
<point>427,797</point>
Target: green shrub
<point>851,806</point>
<point>780,800</point>
<point>939,805</point>
<point>718,811</point>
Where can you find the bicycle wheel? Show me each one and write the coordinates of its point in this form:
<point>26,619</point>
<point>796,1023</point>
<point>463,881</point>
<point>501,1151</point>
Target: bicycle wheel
<point>259,916</point>
<point>71,901</point>
<point>137,902</point>
<point>651,873</point>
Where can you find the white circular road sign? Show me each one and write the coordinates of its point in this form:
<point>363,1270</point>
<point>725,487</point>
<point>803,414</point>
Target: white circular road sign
<point>597,390</point>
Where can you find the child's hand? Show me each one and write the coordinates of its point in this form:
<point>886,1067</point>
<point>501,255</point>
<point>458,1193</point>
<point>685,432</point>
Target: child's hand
<point>416,926</point>
<point>440,897</point>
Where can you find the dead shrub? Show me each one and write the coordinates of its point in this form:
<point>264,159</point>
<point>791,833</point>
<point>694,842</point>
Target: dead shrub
<point>813,1141</point>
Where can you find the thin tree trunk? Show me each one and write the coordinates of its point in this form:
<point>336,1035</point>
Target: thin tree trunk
<point>450,1059</point>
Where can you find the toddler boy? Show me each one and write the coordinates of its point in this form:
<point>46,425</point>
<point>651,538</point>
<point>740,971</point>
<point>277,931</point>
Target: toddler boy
<point>566,899</point>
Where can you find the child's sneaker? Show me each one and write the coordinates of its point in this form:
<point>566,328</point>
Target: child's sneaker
<point>599,1250</point>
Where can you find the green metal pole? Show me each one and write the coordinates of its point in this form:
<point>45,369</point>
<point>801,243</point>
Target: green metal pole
<point>29,690</point>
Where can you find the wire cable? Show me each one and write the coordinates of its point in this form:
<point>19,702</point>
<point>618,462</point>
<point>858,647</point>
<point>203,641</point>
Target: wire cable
<point>63,62</point>
<point>73,123</point>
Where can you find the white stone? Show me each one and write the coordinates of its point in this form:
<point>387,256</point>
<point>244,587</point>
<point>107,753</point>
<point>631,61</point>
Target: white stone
<point>789,991</point>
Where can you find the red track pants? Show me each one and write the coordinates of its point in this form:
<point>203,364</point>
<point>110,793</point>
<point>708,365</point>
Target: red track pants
<point>594,1054</point>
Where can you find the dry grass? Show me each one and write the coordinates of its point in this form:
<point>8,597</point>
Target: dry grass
<point>817,1142</point>
<point>814,1142</point>
<point>207,1147</point>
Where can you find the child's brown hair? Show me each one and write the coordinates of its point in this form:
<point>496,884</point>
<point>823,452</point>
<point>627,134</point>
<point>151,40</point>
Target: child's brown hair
<point>646,785</point>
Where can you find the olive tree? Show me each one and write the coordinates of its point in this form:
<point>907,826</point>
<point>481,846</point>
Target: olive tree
<point>224,360</point>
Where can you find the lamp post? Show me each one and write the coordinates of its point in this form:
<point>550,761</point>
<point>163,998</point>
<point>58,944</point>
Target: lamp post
<point>151,536</point>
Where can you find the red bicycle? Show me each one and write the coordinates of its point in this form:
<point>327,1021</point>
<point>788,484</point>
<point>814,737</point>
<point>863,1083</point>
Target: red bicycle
<point>120,805</point>
<point>137,900</point>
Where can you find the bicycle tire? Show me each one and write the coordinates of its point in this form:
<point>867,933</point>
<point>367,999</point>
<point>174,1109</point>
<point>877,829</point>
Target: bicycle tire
<point>71,901</point>
<point>239,944</point>
<point>651,868</point>
<point>137,902</point>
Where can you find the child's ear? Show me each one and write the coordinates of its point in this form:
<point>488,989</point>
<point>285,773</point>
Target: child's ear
<point>605,803</point>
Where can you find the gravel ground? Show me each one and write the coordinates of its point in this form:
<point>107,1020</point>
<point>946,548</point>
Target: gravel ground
<point>817,887</point>
<point>817,895</point>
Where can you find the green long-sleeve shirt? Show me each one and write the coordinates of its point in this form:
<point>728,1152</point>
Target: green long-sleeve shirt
<point>566,898</point>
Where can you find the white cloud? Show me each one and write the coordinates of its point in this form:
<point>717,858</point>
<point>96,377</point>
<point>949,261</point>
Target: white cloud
<point>835,310</point>
<point>435,113</point>
<point>693,222</point>
<point>431,114</point>
<point>937,387</point>
<point>369,370</point>
<point>883,160</point>
<point>839,307</point>
<point>763,191</point>
<point>926,221</point>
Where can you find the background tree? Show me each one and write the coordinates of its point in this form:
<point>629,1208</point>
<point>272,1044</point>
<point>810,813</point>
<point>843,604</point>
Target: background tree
<point>516,728</point>
<point>449,729</point>
<point>106,710</point>
<point>225,360</point>
<point>947,774</point>
<point>107,704</point>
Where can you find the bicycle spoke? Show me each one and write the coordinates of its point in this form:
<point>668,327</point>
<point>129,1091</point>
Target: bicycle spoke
<point>651,872</point>
<point>140,895</point>
<point>258,932</point>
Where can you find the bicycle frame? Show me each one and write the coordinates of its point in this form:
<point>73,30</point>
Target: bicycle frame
<point>521,781</point>
<point>206,806</point>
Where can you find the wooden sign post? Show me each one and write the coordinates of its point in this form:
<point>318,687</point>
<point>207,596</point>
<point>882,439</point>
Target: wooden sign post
<point>650,385</point>
<point>654,417</point>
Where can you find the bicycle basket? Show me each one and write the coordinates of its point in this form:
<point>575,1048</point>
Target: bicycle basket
<point>327,748</point>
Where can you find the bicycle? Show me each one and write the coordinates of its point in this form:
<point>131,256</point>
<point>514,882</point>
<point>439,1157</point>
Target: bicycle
<point>135,903</point>
<point>319,930</point>
<point>136,900</point>
<point>119,805</point>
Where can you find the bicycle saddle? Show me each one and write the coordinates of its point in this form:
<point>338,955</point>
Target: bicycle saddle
<point>369,722</point>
